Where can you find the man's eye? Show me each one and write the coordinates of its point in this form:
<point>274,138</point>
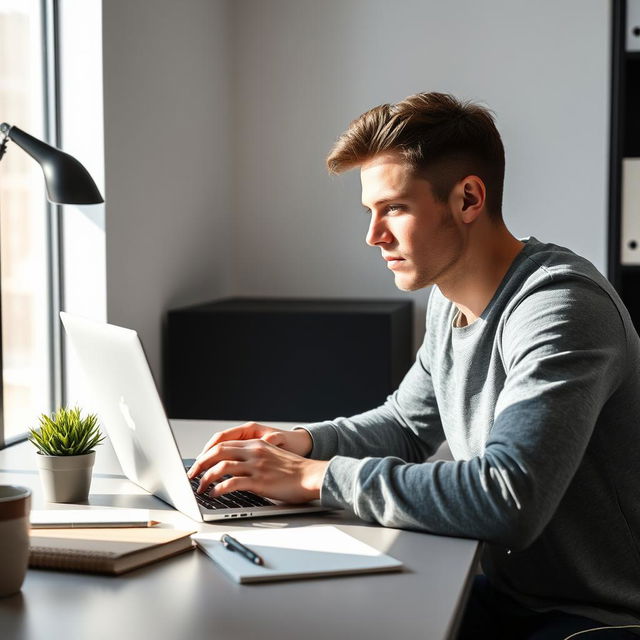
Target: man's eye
<point>395,207</point>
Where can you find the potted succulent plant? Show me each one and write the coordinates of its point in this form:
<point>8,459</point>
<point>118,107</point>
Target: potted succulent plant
<point>65,442</point>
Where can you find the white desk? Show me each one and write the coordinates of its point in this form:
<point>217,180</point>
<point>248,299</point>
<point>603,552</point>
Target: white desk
<point>188,597</point>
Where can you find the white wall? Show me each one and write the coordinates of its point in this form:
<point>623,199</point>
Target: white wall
<point>168,172</point>
<point>218,116</point>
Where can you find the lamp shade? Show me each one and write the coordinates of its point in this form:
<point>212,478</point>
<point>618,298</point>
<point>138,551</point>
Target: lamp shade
<point>68,182</point>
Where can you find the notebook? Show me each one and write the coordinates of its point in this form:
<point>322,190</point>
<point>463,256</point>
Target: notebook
<point>89,518</point>
<point>297,552</point>
<point>110,551</point>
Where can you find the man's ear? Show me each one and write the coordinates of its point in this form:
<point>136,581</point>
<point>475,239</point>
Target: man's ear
<point>471,195</point>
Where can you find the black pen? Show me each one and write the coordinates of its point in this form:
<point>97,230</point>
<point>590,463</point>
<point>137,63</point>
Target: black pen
<point>233,545</point>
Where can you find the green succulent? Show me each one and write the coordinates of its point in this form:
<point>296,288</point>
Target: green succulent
<point>66,433</point>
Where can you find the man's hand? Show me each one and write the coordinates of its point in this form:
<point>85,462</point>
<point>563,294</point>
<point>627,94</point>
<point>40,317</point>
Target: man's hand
<point>298,441</point>
<point>259,466</point>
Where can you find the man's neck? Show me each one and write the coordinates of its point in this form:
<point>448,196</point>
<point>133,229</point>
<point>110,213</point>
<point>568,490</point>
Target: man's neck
<point>480,273</point>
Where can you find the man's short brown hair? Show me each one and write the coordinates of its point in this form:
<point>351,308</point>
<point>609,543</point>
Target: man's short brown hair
<point>441,137</point>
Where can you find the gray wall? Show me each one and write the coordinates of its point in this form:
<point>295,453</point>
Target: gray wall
<point>218,116</point>
<point>305,69</point>
<point>168,174</point>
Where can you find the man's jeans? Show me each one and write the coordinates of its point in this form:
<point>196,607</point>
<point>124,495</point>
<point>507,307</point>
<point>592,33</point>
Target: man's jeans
<point>492,615</point>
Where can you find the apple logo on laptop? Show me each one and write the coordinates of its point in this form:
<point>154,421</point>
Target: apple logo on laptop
<point>126,414</point>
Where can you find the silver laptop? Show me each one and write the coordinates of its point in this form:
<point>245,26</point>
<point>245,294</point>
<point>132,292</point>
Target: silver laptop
<point>127,401</point>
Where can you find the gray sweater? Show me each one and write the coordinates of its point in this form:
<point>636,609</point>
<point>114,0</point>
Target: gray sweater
<point>539,400</point>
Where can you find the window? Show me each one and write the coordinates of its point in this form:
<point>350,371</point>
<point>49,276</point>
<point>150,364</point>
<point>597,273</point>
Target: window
<point>51,257</point>
<point>83,268</point>
<point>26,359</point>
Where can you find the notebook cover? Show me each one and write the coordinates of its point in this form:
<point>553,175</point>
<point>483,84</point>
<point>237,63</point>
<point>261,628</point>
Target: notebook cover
<point>109,551</point>
<point>298,552</point>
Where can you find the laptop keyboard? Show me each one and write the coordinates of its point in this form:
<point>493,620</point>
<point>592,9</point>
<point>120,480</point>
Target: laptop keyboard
<point>232,500</point>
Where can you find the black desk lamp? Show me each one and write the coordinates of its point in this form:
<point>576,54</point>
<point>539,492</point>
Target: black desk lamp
<point>68,182</point>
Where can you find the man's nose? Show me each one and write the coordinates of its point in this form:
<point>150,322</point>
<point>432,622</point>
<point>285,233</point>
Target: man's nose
<point>377,232</point>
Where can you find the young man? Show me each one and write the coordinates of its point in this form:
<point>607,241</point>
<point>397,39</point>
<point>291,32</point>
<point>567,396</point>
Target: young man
<point>530,368</point>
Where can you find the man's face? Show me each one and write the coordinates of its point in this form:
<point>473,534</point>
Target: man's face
<point>417,235</point>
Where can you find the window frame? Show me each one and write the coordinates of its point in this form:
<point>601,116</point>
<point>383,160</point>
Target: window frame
<point>50,31</point>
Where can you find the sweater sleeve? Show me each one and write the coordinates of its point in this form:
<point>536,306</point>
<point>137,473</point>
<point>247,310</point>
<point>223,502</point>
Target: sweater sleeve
<point>406,426</point>
<point>563,350</point>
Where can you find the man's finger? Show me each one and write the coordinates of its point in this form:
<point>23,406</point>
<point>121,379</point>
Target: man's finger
<point>237,483</point>
<point>234,433</point>
<point>222,451</point>
<point>221,469</point>
<point>246,431</point>
<point>275,437</point>
<point>212,440</point>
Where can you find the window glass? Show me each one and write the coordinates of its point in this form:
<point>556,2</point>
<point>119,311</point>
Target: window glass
<point>23,244</point>
<point>83,227</point>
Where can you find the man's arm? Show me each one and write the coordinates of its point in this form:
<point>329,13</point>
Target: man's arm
<point>565,355</point>
<point>407,425</point>
<point>564,351</point>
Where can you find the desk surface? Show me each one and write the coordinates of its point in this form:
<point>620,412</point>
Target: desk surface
<point>189,597</point>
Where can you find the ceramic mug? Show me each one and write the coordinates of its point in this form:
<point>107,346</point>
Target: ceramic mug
<point>15,506</point>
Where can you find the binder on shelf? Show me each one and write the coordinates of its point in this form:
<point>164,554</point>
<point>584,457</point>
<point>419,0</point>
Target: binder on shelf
<point>633,25</point>
<point>630,241</point>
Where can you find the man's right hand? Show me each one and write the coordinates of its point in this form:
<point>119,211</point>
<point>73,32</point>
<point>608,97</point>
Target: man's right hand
<point>298,441</point>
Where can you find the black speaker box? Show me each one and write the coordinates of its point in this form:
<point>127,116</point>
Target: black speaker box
<point>284,360</point>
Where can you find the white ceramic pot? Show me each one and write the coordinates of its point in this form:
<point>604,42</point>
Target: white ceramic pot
<point>66,478</point>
